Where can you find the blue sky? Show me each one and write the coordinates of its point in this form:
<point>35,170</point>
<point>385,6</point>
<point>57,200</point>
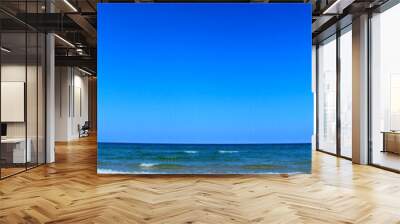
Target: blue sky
<point>204,73</point>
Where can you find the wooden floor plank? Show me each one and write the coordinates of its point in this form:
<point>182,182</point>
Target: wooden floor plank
<point>70,191</point>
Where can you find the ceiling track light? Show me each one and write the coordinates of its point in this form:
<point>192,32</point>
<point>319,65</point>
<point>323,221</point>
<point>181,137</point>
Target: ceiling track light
<point>84,71</point>
<point>5,50</point>
<point>329,9</point>
<point>337,7</point>
<point>64,40</point>
<point>70,6</point>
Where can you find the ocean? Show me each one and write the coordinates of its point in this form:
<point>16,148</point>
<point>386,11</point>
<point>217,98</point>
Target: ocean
<point>128,158</point>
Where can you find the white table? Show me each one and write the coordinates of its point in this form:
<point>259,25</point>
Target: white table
<point>19,153</point>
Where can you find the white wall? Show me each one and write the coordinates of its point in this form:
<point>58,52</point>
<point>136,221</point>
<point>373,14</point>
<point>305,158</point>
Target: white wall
<point>62,82</point>
<point>71,93</point>
<point>81,114</point>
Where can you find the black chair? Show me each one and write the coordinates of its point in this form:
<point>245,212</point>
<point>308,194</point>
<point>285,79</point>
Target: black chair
<point>84,130</point>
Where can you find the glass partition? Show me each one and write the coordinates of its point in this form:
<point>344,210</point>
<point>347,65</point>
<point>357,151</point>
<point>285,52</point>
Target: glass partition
<point>14,151</point>
<point>385,89</point>
<point>22,91</point>
<point>327,95</point>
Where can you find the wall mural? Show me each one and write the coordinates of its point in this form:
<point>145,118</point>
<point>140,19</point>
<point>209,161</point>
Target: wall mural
<point>204,88</point>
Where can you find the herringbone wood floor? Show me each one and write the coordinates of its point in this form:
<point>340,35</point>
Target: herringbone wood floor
<point>70,191</point>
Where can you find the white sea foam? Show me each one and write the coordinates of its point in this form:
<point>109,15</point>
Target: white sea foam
<point>148,165</point>
<point>190,152</point>
<point>110,171</point>
<point>227,151</point>
<point>263,173</point>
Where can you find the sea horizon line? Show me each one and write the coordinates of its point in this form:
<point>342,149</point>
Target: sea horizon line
<point>157,143</point>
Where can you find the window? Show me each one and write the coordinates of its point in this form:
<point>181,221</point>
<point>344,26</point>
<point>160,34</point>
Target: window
<point>327,95</point>
<point>346,92</point>
<point>385,89</point>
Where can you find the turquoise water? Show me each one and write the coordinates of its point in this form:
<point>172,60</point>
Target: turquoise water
<point>126,158</point>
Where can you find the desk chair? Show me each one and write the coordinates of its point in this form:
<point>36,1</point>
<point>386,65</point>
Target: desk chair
<point>84,130</point>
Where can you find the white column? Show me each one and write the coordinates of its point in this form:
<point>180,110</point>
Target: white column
<point>50,99</point>
<point>360,90</point>
<point>314,92</point>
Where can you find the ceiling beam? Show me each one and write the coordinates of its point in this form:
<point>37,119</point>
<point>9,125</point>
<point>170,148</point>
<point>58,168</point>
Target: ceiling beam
<point>86,26</point>
<point>78,61</point>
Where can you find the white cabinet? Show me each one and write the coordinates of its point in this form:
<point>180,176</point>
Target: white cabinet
<point>19,154</point>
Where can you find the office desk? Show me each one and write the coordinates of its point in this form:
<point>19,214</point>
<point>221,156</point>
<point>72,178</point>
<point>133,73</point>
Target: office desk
<point>391,141</point>
<point>13,150</point>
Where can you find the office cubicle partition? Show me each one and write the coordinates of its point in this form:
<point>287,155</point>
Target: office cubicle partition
<point>22,89</point>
